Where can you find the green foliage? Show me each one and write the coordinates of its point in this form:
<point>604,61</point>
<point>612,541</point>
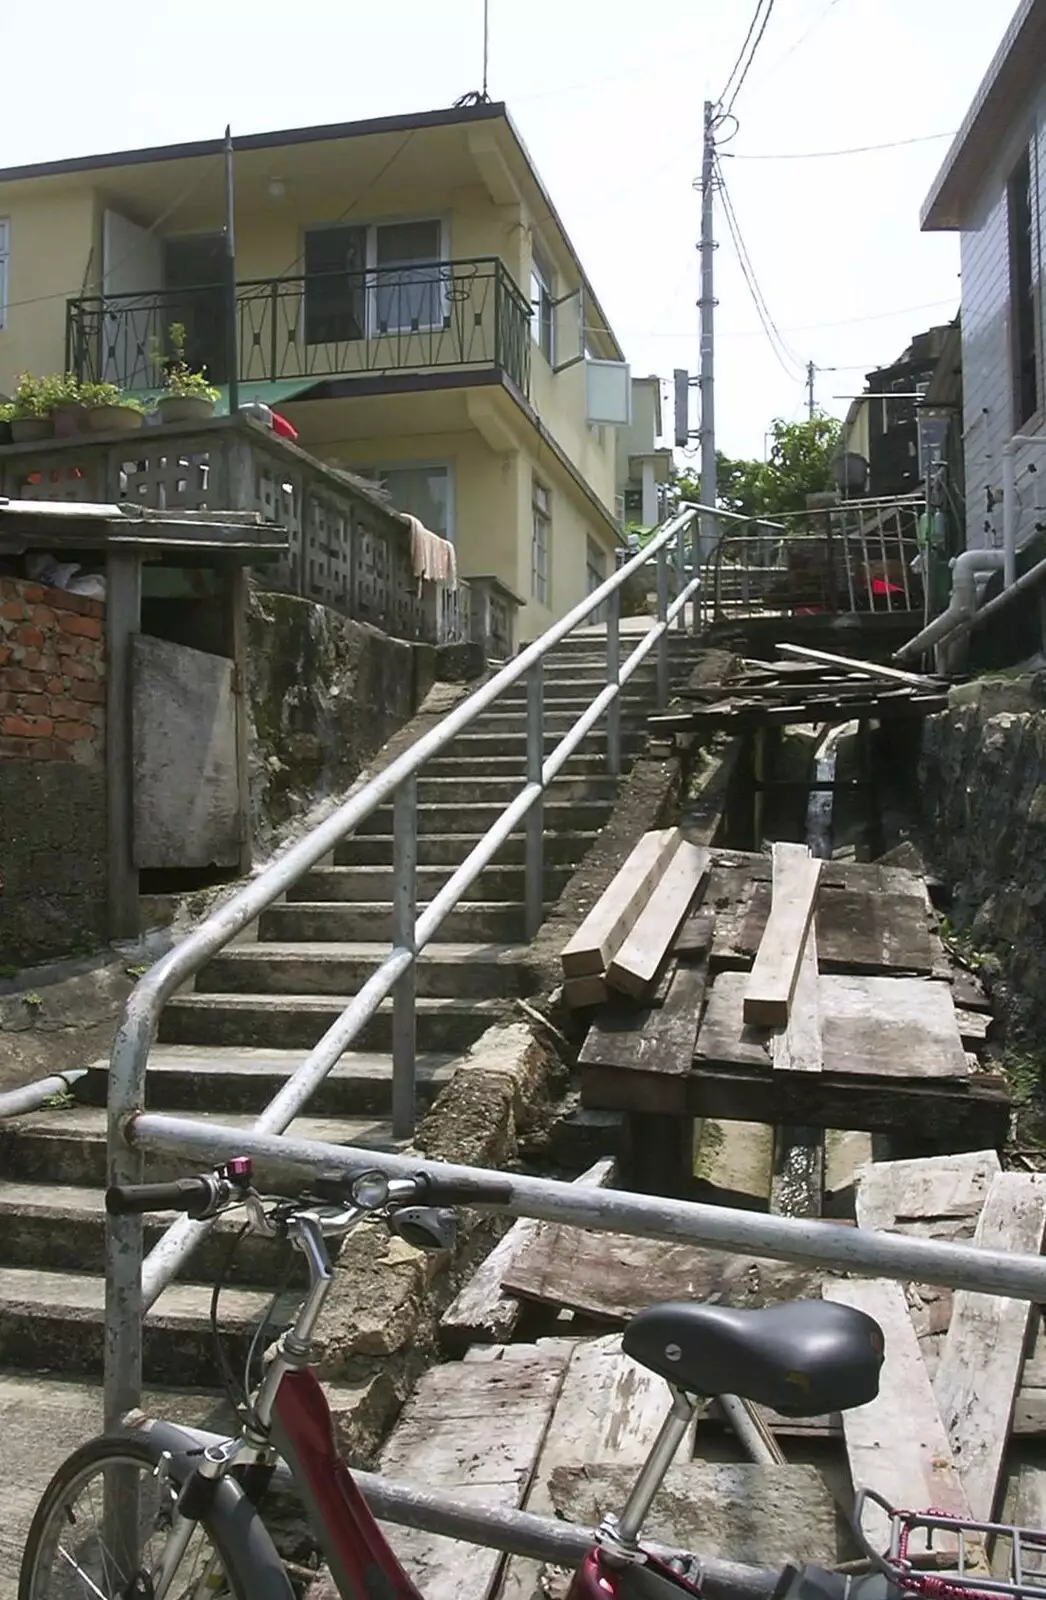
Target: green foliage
<point>800,463</point>
<point>7,411</point>
<point>30,397</point>
<point>96,395</point>
<point>179,379</point>
<point>60,389</point>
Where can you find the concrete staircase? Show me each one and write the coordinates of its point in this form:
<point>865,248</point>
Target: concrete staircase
<point>227,1045</point>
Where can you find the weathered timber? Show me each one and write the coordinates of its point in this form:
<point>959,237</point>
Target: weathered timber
<point>861,930</point>
<point>475,1429</point>
<point>657,1039</point>
<point>635,964</point>
<point>582,993</point>
<point>771,984</point>
<point>613,1275</point>
<point>980,1367</point>
<point>845,1151</point>
<point>871,669</point>
<point>797,1046</point>
<point>742,1512</point>
<point>482,1312</point>
<point>897,1444</point>
<point>905,1196</point>
<point>733,1163</point>
<point>605,928</point>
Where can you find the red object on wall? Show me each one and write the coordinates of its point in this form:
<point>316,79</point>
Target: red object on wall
<point>285,429</point>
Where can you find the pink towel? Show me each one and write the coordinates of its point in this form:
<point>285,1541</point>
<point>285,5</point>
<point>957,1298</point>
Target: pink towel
<point>432,557</point>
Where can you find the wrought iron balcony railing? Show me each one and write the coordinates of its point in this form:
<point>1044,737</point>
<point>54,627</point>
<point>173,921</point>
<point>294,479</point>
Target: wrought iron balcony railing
<point>447,314</point>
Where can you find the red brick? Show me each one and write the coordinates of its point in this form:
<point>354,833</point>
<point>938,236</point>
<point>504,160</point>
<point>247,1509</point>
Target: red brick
<point>5,654</point>
<point>65,646</point>
<point>32,636</point>
<point>79,667</point>
<point>12,611</point>
<point>16,749</point>
<point>92,693</point>
<point>86,627</point>
<point>82,604</point>
<point>27,727</point>
<point>17,678</point>
<point>54,686</point>
<point>90,648</point>
<point>37,705</point>
<point>73,730</point>
<point>43,617</point>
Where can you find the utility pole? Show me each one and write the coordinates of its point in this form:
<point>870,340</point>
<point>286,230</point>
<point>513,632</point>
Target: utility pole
<point>706,305</point>
<point>811,406</point>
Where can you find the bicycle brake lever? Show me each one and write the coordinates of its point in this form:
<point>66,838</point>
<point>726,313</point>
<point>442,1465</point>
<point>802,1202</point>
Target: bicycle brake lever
<point>425,1227</point>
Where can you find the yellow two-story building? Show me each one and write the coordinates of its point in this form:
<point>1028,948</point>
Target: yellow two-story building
<point>405,294</point>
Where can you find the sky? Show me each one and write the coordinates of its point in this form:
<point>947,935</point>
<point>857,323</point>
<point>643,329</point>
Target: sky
<point>607,95</point>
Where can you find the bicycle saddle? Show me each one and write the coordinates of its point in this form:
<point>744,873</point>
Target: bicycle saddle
<point>801,1358</point>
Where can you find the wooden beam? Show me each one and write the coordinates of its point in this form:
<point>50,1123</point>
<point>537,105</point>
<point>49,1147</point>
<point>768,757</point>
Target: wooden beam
<point>771,984</point>
<point>604,930</point>
<point>897,1444</point>
<point>797,1046</point>
<point>634,967</point>
<point>580,993</point>
<point>870,669</point>
<point>980,1370</point>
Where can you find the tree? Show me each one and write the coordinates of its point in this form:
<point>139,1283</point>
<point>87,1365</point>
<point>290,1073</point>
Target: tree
<point>800,463</point>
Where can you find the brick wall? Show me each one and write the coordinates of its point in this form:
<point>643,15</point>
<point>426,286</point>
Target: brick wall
<point>53,882</point>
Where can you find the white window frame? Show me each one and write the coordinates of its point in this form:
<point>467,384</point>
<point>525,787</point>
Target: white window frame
<point>5,264</point>
<point>372,270</point>
<point>542,275</point>
<point>377,471</point>
<point>540,547</point>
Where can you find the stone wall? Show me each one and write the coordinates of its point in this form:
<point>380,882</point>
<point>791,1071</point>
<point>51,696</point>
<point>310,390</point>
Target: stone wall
<point>52,773</point>
<point>325,693</point>
<point>982,798</point>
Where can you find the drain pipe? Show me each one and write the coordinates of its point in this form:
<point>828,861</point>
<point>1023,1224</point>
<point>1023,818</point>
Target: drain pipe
<point>962,604</point>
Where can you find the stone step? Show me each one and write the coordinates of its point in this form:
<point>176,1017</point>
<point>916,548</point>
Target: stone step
<point>479,746</point>
<point>253,1019</point>
<point>68,1145</point>
<point>245,1080</point>
<point>513,719</point>
<point>54,1321</point>
<point>375,849</point>
<point>372,885</point>
<point>444,971</point>
<point>475,818</point>
<point>64,1225</point>
<point>569,790</point>
<point>479,768</point>
<point>473,922</point>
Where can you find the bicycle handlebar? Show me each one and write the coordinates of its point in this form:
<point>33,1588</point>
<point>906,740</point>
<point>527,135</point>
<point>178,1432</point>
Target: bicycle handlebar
<point>194,1196</point>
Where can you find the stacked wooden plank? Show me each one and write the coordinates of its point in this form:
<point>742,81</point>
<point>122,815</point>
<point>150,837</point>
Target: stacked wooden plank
<point>622,943</point>
<point>801,686</point>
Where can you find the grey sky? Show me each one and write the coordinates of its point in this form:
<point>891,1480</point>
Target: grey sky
<point>607,95</point>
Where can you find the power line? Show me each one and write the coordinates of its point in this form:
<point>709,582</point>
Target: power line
<point>741,52</point>
<point>751,56</point>
<point>787,358</point>
<point>851,150</point>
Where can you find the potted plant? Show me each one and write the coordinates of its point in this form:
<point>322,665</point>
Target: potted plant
<point>109,411</point>
<point>187,395</point>
<point>30,411</point>
<point>7,411</point>
<point>62,398</point>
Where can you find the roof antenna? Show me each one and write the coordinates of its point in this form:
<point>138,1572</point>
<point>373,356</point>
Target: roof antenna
<point>480,97</point>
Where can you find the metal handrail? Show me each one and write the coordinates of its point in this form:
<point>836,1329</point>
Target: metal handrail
<point>133,1285</point>
<point>32,1096</point>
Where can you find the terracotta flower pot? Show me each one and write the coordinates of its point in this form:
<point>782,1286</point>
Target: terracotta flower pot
<point>184,408</point>
<point>114,419</point>
<point>69,418</point>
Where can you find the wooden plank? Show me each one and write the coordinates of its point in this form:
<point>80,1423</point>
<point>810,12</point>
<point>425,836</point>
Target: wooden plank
<point>1025,1507</point>
<point>870,669</point>
<point>476,1429</point>
<point>897,1196</point>
<point>658,1039</point>
<point>634,967</point>
<point>733,1511</point>
<point>609,1412</point>
<point>614,1275</point>
<point>694,938</point>
<point>580,993</point>
<point>797,1046</point>
<point>875,1027</point>
<point>734,1163</point>
<point>897,1444</point>
<point>771,984</point>
<point>845,1152</point>
<point>614,913</point>
<point>482,1311</point>
<point>860,930</point>
<point>987,1336</point>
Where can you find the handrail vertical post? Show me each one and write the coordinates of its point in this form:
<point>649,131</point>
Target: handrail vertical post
<point>681,576</point>
<point>662,617</point>
<point>614,676</point>
<point>404,919</point>
<point>534,872</point>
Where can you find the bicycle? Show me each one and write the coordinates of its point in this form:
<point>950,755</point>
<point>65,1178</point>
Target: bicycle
<point>799,1358</point>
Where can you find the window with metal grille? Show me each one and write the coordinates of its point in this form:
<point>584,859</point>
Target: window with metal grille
<point>1024,352</point>
<point>541,543</point>
<point>5,234</point>
<point>542,315</point>
<point>363,282</point>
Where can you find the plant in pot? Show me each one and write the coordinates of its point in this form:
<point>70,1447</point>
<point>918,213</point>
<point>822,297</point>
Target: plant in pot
<point>187,396</point>
<point>109,411</point>
<point>30,410</point>
<point>7,411</point>
<point>62,397</point>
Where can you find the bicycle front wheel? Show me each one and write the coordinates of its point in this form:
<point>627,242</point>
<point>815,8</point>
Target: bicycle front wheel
<point>77,1548</point>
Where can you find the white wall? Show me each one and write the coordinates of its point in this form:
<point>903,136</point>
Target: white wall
<point>988,419</point>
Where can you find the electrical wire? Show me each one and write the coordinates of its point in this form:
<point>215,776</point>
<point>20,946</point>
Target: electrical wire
<point>851,150</point>
<point>791,363</point>
<point>751,57</point>
<point>741,52</point>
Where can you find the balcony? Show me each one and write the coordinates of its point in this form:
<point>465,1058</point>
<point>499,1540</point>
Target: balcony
<point>449,315</point>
